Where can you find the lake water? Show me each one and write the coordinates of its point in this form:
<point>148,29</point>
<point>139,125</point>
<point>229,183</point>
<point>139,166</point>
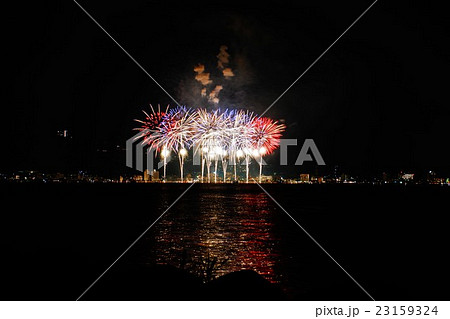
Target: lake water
<point>390,239</point>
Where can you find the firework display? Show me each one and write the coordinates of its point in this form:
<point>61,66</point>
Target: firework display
<point>219,136</point>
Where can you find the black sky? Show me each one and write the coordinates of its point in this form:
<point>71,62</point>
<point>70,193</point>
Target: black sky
<point>376,101</point>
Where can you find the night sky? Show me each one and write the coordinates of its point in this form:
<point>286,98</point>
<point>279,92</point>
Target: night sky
<point>376,101</point>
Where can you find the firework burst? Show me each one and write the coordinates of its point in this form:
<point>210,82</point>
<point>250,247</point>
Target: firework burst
<point>265,134</point>
<point>150,124</point>
<point>175,130</point>
<point>265,137</point>
<point>218,135</point>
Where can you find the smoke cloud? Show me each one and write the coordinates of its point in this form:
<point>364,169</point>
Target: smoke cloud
<point>222,84</point>
<point>201,76</point>
<point>223,61</point>
<point>204,77</point>
<point>213,95</point>
<point>227,73</point>
<point>223,56</point>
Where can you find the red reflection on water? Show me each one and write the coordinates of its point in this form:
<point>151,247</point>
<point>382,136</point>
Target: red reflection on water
<point>234,229</point>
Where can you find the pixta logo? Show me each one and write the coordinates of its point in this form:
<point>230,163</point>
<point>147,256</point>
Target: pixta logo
<point>141,152</point>
<point>308,147</point>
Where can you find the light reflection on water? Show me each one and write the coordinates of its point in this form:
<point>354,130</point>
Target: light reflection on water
<point>235,228</point>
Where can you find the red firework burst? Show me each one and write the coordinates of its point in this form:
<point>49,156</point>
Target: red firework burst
<point>266,134</point>
<point>150,124</point>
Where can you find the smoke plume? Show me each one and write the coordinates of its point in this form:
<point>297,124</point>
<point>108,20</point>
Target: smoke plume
<point>223,61</point>
<point>211,85</point>
<point>201,76</point>
<point>213,95</point>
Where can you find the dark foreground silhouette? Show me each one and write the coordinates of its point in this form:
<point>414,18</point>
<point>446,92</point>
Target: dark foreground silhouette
<point>170,283</point>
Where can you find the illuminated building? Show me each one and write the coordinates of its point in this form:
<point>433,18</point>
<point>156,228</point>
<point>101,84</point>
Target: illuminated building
<point>155,175</point>
<point>146,176</point>
<point>304,178</point>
